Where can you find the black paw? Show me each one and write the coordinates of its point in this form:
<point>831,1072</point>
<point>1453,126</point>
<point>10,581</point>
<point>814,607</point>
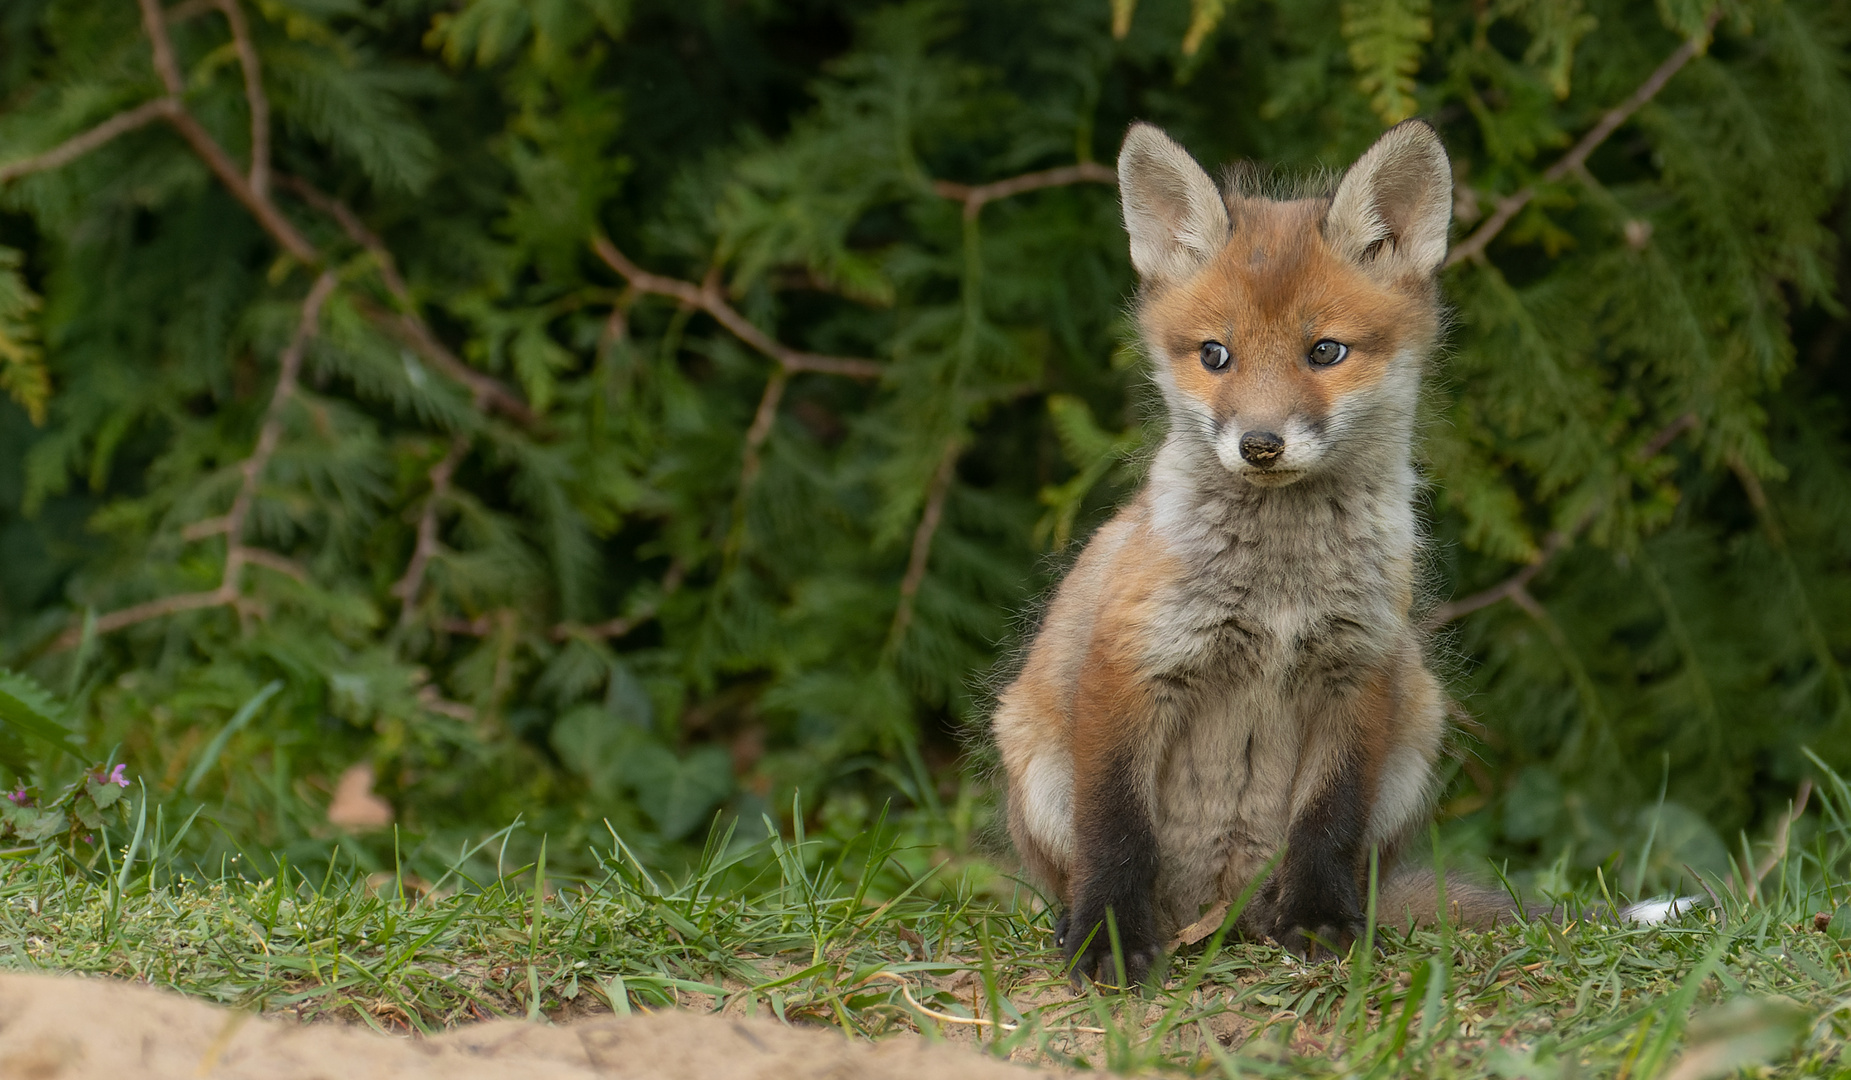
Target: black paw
<point>1316,933</point>
<point>1086,942</point>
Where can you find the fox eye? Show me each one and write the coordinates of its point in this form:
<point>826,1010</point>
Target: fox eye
<point>1327,352</point>
<point>1214,356</point>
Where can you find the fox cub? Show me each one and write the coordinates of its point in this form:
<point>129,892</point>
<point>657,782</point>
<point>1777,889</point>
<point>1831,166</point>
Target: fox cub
<point>1230,667</point>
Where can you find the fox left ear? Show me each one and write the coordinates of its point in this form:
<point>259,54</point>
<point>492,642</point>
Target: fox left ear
<point>1392,210</point>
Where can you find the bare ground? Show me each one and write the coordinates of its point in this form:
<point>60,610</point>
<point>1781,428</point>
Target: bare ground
<point>65,1028</point>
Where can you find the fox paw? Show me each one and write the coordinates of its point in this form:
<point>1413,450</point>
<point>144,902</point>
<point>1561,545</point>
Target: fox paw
<point>1315,933</point>
<point>1086,943</point>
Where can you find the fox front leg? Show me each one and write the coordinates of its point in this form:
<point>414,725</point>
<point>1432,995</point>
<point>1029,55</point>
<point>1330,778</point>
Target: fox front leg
<point>1317,901</point>
<point>1115,881</point>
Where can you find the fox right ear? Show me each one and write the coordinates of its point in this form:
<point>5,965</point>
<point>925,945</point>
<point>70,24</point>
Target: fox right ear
<point>1175,216</point>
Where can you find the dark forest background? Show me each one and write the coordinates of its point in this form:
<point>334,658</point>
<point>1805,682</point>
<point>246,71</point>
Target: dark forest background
<point>585,410</point>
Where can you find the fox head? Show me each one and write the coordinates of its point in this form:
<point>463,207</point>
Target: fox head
<point>1288,336</point>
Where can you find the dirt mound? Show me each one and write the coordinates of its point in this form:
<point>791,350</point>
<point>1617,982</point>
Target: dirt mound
<point>55,1028</point>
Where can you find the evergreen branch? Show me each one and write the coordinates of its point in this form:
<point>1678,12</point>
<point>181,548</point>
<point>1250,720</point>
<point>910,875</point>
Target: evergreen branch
<point>406,323</point>
<point>1802,599</point>
<point>484,625</point>
<point>1473,246</point>
<point>974,196</point>
<point>253,192</point>
<point>407,587</point>
<point>280,228</point>
<point>707,297</point>
<point>415,332</point>
<point>623,624</point>
<point>253,93</point>
<point>237,554</point>
<point>921,554</point>
<point>355,229</point>
<point>78,145</point>
<point>255,199</point>
<point>1516,587</point>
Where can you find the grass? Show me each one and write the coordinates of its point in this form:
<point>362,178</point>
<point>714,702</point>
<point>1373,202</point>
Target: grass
<point>816,931</point>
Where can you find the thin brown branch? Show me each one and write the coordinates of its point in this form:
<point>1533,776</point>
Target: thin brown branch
<point>1517,585</point>
<point>280,228</point>
<point>623,624</point>
<point>259,175</point>
<point>428,542</point>
<point>484,625</point>
<point>355,229</point>
<point>1508,207</point>
<point>255,200</point>
<point>405,323</point>
<point>269,560</point>
<point>415,332</point>
<point>78,145</point>
<point>268,436</point>
<point>154,23</point>
<point>974,196</point>
<point>762,421</point>
<point>921,555</point>
<point>237,554</point>
<point>708,298</point>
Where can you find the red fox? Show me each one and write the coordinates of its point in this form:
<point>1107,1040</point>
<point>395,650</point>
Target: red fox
<point>1230,668</point>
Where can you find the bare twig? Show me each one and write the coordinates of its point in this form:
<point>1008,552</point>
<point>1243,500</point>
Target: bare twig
<point>428,542</point>
<point>355,229</point>
<point>623,624</point>
<point>974,196</point>
<point>1517,585</point>
<point>708,298</point>
<point>78,145</point>
<point>154,23</point>
<point>762,421</point>
<point>259,176</point>
<point>237,554</point>
<point>484,625</point>
<point>416,333</point>
<point>405,323</point>
<point>1575,160</point>
<point>921,555</point>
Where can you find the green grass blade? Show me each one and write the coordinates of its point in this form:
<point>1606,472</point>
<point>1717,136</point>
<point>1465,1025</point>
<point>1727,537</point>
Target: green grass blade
<point>217,746</point>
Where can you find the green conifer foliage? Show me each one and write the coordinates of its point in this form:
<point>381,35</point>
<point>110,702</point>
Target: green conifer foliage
<point>591,409</point>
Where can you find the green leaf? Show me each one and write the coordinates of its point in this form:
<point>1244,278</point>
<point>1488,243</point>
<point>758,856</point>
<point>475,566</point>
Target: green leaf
<point>29,709</point>
<point>104,793</point>
<point>217,746</point>
<point>679,793</point>
<point>22,360</point>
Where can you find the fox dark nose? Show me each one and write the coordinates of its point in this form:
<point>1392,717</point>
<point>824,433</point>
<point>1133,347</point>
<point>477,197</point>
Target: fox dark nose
<point>1261,448</point>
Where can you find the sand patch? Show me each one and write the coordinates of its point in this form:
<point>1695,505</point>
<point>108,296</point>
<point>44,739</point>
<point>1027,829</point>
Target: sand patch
<point>63,1028</point>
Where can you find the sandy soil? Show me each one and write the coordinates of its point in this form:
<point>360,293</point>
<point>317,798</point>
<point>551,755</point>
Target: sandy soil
<point>78,1029</point>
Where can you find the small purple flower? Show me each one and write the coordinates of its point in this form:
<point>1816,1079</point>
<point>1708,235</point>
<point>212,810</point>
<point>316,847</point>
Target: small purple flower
<point>116,776</point>
<point>21,797</point>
